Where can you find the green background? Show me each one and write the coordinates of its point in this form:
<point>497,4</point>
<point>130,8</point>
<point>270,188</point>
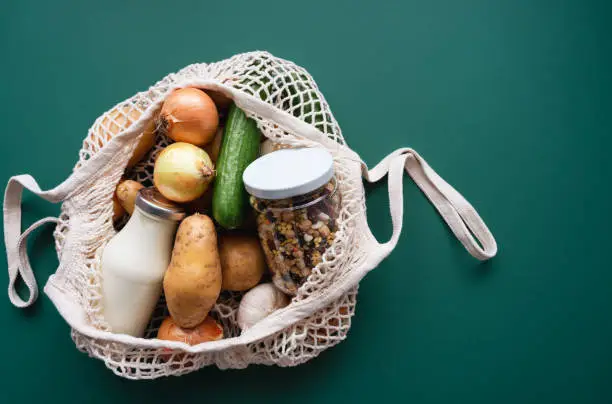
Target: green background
<point>508,100</point>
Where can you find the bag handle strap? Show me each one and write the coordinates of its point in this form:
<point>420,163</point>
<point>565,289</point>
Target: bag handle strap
<point>24,268</point>
<point>15,241</point>
<point>457,212</point>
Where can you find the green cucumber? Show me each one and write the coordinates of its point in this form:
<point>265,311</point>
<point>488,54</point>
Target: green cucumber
<point>239,148</point>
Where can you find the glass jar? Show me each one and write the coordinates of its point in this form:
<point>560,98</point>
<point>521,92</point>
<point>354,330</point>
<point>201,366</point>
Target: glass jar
<point>296,212</point>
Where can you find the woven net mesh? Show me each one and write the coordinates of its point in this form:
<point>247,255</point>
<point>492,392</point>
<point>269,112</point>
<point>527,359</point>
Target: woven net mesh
<point>86,225</point>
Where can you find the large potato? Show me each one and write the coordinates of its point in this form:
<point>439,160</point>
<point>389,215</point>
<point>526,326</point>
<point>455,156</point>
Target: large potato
<point>242,261</point>
<point>193,281</point>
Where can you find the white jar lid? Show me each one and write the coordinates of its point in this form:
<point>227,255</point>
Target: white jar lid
<point>289,172</point>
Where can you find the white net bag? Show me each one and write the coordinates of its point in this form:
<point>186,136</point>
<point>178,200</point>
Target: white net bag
<point>287,106</point>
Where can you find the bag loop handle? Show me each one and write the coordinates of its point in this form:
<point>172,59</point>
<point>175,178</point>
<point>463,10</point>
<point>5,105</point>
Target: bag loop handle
<point>24,268</point>
<point>457,212</point>
<point>15,241</point>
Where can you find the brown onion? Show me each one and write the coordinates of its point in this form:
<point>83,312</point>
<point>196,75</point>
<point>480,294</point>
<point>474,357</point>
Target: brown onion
<point>189,115</point>
<point>208,330</point>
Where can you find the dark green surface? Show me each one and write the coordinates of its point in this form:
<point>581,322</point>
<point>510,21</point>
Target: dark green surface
<point>508,100</point>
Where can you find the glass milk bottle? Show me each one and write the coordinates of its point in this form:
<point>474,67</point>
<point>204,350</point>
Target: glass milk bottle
<point>134,263</point>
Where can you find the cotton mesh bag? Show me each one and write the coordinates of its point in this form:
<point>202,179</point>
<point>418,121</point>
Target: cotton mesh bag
<point>288,108</point>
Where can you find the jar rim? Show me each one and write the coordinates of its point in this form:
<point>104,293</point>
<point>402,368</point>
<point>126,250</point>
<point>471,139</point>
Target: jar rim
<point>303,205</point>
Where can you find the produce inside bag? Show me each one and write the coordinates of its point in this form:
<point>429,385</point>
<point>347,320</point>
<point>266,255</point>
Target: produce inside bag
<point>215,248</point>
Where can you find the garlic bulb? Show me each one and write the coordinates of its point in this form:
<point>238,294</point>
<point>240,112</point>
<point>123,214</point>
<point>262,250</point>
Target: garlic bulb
<point>259,303</point>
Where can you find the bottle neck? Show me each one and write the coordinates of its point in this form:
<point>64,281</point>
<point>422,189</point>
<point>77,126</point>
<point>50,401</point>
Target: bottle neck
<point>149,225</point>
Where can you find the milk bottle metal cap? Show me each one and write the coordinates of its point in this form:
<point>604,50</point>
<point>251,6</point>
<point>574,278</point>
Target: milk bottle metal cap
<point>152,202</point>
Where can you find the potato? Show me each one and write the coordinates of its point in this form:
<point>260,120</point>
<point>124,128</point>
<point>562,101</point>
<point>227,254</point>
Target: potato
<point>242,261</point>
<point>126,192</point>
<point>214,147</point>
<point>146,143</point>
<point>118,210</point>
<point>112,125</point>
<point>193,281</point>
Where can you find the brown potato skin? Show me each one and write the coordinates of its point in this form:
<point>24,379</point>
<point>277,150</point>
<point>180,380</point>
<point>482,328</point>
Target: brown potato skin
<point>110,128</point>
<point>214,147</point>
<point>118,210</point>
<point>126,192</point>
<point>242,261</point>
<point>193,281</point>
<point>146,143</point>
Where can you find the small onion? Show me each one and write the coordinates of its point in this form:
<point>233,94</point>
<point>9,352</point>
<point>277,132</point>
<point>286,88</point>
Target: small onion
<point>189,115</point>
<point>183,172</point>
<point>208,330</point>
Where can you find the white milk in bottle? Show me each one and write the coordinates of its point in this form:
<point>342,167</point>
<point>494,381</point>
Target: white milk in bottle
<point>135,260</point>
